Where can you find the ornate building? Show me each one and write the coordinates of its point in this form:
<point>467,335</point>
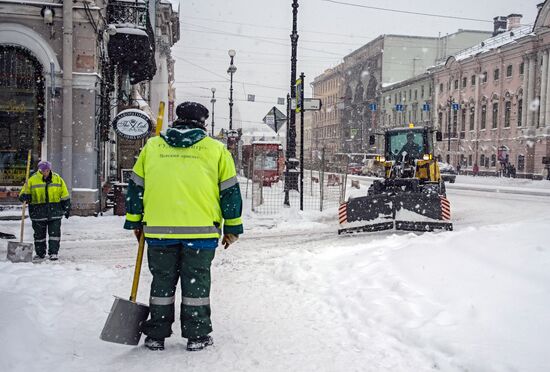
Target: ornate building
<point>492,101</point>
<point>65,69</point>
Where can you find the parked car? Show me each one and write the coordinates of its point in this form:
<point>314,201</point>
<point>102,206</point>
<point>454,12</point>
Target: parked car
<point>354,168</point>
<point>448,172</point>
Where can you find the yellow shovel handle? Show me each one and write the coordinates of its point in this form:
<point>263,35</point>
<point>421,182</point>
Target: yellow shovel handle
<point>141,247</point>
<point>25,203</point>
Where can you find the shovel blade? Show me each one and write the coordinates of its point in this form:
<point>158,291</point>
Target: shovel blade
<point>20,252</point>
<point>123,325</point>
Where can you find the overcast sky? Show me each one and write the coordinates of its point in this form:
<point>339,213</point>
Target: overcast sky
<point>259,32</point>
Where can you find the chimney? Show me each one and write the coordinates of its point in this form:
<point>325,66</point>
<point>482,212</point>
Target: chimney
<point>500,25</point>
<point>514,21</point>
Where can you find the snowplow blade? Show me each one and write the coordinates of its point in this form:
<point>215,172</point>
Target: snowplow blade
<point>411,211</point>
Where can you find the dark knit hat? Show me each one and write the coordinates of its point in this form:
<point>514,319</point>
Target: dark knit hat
<point>191,113</point>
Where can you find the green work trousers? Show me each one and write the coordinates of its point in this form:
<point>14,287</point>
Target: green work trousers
<point>53,229</point>
<point>168,264</point>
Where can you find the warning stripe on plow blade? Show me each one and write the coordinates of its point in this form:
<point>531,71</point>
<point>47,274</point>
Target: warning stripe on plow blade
<point>343,213</point>
<point>445,209</point>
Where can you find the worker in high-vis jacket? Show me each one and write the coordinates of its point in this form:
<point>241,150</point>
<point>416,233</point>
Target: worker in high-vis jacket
<point>49,200</point>
<point>183,195</point>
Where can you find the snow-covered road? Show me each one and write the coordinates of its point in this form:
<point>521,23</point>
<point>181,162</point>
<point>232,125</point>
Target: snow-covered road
<point>293,296</point>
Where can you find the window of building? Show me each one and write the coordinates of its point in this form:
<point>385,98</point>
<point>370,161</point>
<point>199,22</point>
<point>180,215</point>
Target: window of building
<point>470,158</point>
<point>493,160</point>
<point>472,117</point>
<point>410,94</point>
<point>440,119</point>
<point>521,68</point>
<point>484,77</point>
<point>520,111</point>
<point>496,74</point>
<point>495,115</point>
<point>422,91</point>
<point>483,116</point>
<point>482,159</point>
<point>509,70</point>
<point>521,162</point>
<point>464,82</point>
<point>441,88</point>
<point>507,112</point>
<point>21,112</point>
<point>415,94</point>
<point>463,121</point>
<point>456,84</point>
<point>473,80</point>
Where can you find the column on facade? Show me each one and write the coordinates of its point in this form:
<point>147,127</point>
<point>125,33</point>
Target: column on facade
<point>545,86</point>
<point>525,107</point>
<point>531,91</point>
<point>543,95</point>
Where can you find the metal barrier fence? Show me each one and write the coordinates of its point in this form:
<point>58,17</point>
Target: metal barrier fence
<point>265,188</point>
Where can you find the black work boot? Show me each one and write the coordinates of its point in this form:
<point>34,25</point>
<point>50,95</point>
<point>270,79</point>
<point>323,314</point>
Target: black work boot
<point>196,344</point>
<point>154,344</point>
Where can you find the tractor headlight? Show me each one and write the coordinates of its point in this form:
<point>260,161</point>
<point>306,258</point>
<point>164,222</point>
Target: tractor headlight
<point>427,157</point>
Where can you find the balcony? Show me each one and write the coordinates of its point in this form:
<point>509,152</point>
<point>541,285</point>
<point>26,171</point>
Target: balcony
<point>131,43</point>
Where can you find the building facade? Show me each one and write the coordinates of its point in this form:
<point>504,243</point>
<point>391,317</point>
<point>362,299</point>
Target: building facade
<point>351,92</point>
<point>410,101</point>
<point>492,101</point>
<point>65,70</point>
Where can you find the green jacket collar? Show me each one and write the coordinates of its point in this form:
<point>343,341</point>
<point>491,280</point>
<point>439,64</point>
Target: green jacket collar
<point>183,136</point>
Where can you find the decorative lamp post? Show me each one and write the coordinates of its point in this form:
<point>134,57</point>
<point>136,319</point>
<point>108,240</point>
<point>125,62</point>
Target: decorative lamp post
<point>231,70</point>
<point>213,100</point>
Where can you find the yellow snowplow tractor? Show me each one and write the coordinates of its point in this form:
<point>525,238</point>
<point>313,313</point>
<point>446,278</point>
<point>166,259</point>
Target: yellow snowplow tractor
<point>412,194</point>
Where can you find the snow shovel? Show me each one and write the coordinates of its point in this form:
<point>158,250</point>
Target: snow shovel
<point>123,325</point>
<point>19,251</point>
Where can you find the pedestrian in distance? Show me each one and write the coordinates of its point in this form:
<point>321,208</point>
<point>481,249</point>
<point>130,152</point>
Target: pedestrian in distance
<point>475,169</point>
<point>183,191</point>
<point>49,200</point>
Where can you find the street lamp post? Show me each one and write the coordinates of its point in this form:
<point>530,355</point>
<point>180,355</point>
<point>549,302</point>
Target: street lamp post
<point>213,100</point>
<point>231,70</point>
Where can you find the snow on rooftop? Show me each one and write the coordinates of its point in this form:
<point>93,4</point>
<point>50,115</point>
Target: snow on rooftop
<point>494,42</point>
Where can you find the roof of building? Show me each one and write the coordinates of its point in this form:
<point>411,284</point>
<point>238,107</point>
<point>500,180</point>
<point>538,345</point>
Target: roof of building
<point>494,42</point>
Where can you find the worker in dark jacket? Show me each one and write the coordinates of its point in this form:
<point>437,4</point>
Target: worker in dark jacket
<point>49,200</point>
<point>182,193</point>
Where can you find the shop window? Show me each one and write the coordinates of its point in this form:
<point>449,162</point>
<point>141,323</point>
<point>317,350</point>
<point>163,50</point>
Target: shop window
<point>21,113</point>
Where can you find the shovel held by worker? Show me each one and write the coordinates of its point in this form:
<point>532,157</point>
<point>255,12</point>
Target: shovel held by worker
<point>19,251</point>
<point>123,325</point>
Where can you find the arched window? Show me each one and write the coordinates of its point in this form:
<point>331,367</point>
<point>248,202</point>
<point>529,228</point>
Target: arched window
<point>21,112</point>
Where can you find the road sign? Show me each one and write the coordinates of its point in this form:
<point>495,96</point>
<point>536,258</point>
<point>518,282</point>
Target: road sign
<point>312,104</point>
<point>373,107</point>
<point>398,107</point>
<point>456,106</point>
<point>251,98</point>
<point>426,107</point>
<point>275,119</point>
<point>281,100</point>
